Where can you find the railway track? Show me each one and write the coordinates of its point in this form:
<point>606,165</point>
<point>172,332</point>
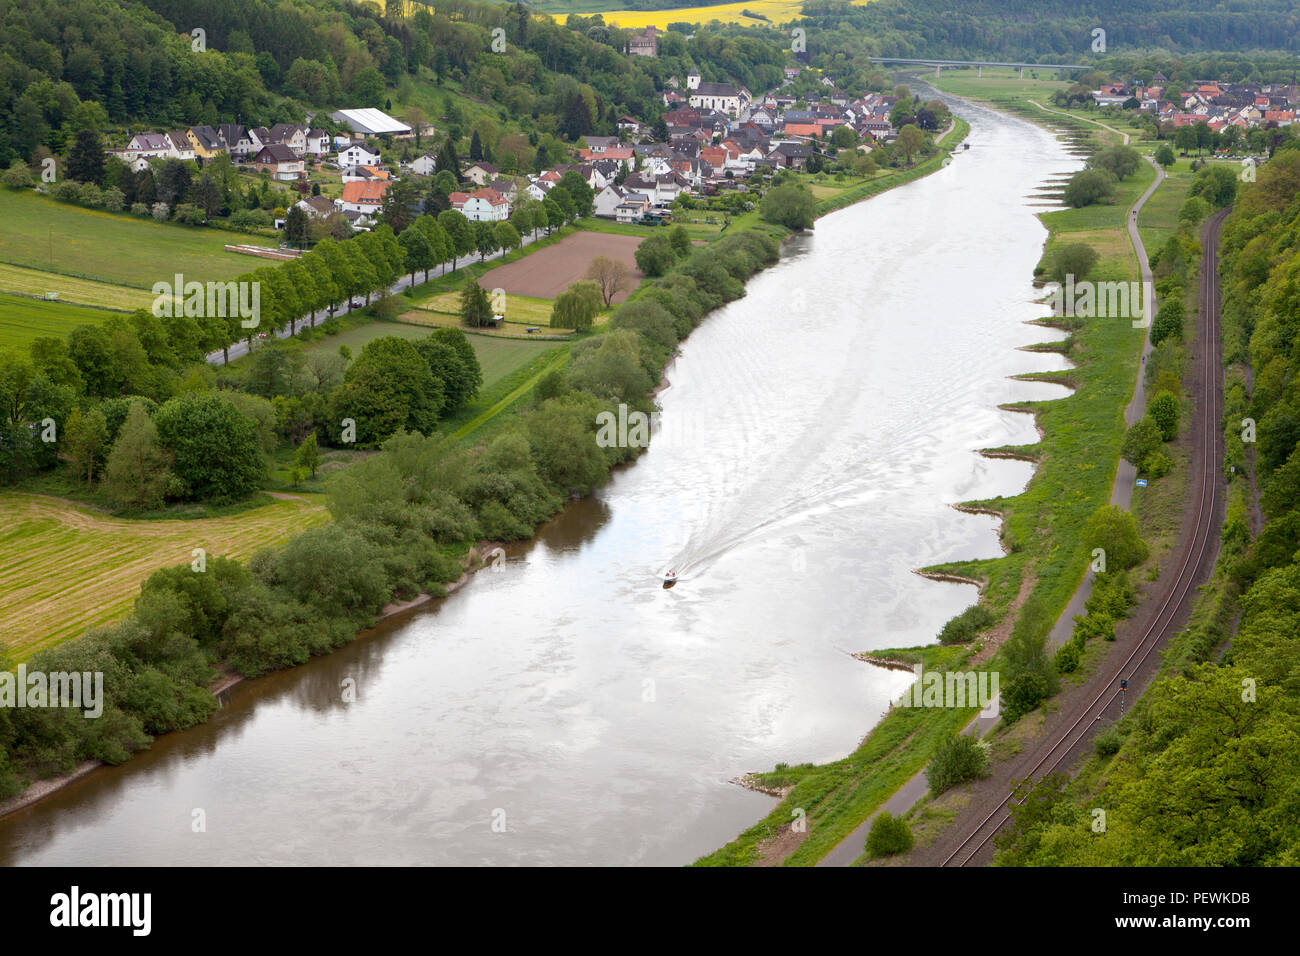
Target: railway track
<point>1207,458</point>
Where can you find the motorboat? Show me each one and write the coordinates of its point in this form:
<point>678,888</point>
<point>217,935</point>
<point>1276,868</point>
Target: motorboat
<point>670,578</point>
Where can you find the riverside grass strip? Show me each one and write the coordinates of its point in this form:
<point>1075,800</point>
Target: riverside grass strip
<point>1078,456</point>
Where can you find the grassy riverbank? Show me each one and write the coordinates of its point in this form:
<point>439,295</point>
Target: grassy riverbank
<point>1029,587</point>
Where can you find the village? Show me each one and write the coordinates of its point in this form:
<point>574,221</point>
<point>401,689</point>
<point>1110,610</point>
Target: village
<point>1219,105</point>
<point>711,138</point>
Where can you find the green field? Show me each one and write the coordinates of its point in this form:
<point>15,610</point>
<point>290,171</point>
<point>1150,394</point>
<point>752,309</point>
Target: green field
<point>498,357</point>
<point>40,233</point>
<point>65,568</point>
<point>23,319</point>
<point>101,295</point>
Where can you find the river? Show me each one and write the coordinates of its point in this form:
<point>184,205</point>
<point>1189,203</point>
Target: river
<point>565,708</point>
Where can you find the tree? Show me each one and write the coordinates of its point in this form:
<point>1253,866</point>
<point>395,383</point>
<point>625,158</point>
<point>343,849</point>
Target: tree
<point>18,176</point>
<point>1165,156</point>
<point>295,227</point>
<point>475,310</point>
<point>554,215</point>
<point>577,306</point>
<point>611,275</point>
<point>1114,530</point>
<point>460,233</point>
<point>485,240</point>
<point>507,236</point>
<point>389,387</point>
<point>475,148</point>
<point>681,240</point>
<point>85,435</point>
<point>419,253</point>
<point>1217,184</point>
<point>86,160</point>
<point>137,471</point>
<point>307,457</point>
<point>910,140</point>
<point>445,363</point>
<point>439,243</point>
<point>578,190</point>
<point>791,205</point>
<point>1164,412</point>
<point>1089,186</point>
<point>1075,259</point>
<point>1168,322</point>
<point>216,450</point>
<point>1121,161</point>
<point>655,255</point>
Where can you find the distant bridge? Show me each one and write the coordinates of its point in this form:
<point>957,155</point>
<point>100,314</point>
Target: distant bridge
<point>978,64</point>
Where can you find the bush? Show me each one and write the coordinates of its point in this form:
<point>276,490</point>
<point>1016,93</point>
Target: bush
<point>889,836</point>
<point>1157,465</point>
<point>958,759</point>
<point>1067,658</point>
<point>1089,186</point>
<point>1168,323</point>
<point>1114,530</point>
<point>1164,412</point>
<point>1022,694</point>
<point>1141,441</point>
<point>966,626</point>
<point>1108,741</point>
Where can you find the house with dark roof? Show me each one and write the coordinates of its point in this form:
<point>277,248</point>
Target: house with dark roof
<point>280,162</point>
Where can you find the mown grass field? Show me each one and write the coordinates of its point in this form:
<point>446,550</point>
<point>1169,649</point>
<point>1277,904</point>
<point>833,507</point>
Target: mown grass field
<point>39,233</point>
<point>102,295</point>
<point>23,319</point>
<point>65,568</point>
<point>520,309</point>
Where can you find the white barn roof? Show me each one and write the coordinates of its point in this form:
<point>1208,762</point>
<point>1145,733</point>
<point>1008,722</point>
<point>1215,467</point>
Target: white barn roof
<point>369,121</point>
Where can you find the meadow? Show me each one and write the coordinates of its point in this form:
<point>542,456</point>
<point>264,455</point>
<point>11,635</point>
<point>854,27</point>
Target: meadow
<point>66,568</point>
<point>39,233</point>
<point>23,319</point>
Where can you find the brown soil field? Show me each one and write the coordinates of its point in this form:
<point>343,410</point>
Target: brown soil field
<point>548,272</point>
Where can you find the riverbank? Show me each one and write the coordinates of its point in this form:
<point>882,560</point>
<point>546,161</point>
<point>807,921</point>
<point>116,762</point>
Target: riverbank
<point>1075,462</point>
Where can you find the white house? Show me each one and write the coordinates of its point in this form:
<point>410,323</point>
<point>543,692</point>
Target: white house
<point>425,165</point>
<point>357,156</point>
<point>607,201</point>
<point>482,205</point>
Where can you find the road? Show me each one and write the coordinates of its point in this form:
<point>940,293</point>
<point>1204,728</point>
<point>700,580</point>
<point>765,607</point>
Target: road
<point>240,348</point>
<point>849,849</point>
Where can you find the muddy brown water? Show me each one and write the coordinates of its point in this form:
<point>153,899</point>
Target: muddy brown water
<point>567,709</point>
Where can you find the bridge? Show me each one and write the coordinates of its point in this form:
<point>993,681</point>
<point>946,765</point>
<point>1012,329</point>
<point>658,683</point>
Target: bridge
<point>978,64</point>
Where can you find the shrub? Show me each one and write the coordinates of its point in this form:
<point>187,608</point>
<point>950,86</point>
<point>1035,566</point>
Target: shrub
<point>1157,465</point>
<point>1067,658</point>
<point>889,836</point>
<point>966,626</point>
<point>1141,441</point>
<point>1107,742</point>
<point>958,759</point>
<point>1022,694</point>
<point>1164,412</point>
